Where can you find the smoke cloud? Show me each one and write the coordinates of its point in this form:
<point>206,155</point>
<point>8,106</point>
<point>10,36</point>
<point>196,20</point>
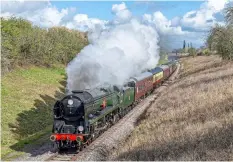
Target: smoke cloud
<point>123,48</point>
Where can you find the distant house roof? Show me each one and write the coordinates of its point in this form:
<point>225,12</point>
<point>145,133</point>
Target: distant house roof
<point>142,76</point>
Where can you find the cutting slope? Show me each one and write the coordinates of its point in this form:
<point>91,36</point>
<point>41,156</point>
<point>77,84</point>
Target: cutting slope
<point>193,120</point>
<point>28,96</point>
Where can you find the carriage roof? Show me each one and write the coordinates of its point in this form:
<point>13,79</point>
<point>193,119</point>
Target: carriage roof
<point>156,70</point>
<point>164,67</point>
<point>142,76</point>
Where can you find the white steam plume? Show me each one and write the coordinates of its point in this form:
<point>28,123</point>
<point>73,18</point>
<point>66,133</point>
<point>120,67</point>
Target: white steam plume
<point>121,50</point>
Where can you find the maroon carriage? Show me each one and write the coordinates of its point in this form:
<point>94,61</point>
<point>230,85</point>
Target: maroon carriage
<point>143,84</point>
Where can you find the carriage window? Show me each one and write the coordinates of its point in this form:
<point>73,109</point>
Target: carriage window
<point>131,84</point>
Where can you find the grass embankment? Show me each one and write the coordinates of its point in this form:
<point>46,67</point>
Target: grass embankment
<point>28,96</point>
<point>193,120</point>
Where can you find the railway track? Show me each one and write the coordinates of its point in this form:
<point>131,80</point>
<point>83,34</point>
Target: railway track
<point>72,155</point>
<point>62,157</point>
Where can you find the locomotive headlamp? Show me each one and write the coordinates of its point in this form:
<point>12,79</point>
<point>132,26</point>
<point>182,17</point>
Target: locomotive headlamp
<point>80,128</point>
<point>52,137</point>
<point>70,102</point>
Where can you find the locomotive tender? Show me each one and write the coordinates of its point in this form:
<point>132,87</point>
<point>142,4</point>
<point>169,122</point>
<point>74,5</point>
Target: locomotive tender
<point>82,116</point>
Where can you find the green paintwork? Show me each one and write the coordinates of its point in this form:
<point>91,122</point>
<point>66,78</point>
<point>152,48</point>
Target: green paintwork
<point>95,108</point>
<point>114,100</point>
<point>128,97</point>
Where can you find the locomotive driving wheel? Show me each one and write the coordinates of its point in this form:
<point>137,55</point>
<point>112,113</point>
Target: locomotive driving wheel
<point>115,119</point>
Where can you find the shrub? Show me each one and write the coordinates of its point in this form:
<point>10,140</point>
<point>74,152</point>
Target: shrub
<point>22,44</point>
<point>220,38</point>
<point>192,52</point>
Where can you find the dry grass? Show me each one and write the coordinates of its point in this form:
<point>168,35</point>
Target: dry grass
<point>193,120</point>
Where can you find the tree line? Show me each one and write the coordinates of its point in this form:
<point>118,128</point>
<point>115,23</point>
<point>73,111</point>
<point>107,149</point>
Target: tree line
<point>187,48</point>
<point>25,44</point>
<point>220,38</point>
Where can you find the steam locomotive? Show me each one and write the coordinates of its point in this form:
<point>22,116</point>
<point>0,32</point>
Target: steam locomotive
<point>82,116</point>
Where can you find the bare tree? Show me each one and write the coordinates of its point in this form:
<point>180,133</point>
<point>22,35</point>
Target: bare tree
<point>229,15</point>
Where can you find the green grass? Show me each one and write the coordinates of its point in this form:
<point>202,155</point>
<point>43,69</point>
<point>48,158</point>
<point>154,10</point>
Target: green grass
<point>163,59</point>
<point>28,96</point>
